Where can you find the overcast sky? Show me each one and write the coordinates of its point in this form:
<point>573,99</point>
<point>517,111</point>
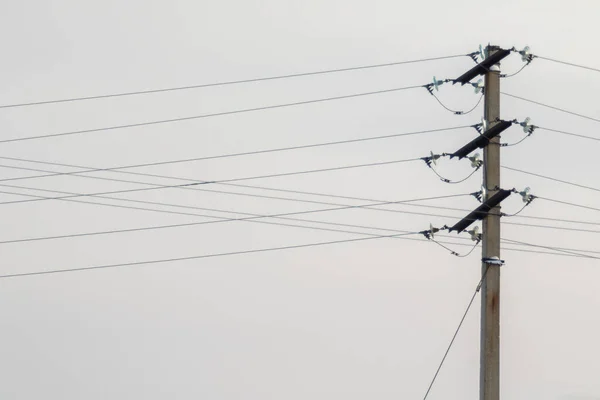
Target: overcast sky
<point>369,319</point>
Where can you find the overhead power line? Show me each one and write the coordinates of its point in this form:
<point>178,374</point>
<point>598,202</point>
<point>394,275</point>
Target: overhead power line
<point>551,178</point>
<point>227,180</point>
<point>554,249</point>
<point>549,106</point>
<point>225,83</point>
<point>282,216</point>
<point>569,133</point>
<point>202,256</point>
<point>214,255</point>
<point>217,114</point>
<point>178,161</point>
<point>253,217</point>
<point>342,206</point>
<point>568,63</point>
<point>569,204</point>
<point>197,188</point>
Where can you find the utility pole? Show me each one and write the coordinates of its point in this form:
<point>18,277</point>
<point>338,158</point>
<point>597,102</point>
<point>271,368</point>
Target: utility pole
<point>489,378</point>
<point>489,212</point>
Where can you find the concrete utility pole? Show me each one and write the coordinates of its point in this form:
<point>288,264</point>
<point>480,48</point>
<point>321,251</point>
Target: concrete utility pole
<point>489,384</point>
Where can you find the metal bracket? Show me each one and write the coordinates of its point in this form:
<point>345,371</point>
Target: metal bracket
<point>492,261</point>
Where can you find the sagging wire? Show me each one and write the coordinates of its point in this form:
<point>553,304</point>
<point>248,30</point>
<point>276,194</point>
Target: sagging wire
<point>454,182</point>
<point>528,128</point>
<point>525,196</point>
<point>527,199</point>
<point>431,160</point>
<point>434,86</point>
<point>455,111</point>
<point>515,73</point>
<point>430,235</point>
<point>526,57</point>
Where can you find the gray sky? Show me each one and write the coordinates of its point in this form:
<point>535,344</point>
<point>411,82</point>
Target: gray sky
<point>358,320</point>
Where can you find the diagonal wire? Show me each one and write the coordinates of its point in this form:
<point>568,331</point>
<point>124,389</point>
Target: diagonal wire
<point>262,250</point>
<point>277,216</point>
<point>119,168</point>
<point>552,248</point>
<point>456,333</point>
<point>234,82</point>
<point>569,133</point>
<point>285,199</point>
<point>339,206</point>
<point>568,204</point>
<point>551,178</point>
<point>198,257</point>
<point>552,107</point>
<point>218,114</point>
<point>197,188</point>
<point>568,63</point>
<point>155,187</point>
<point>307,201</point>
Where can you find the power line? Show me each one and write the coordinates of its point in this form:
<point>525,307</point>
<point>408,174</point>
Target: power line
<point>53,173</point>
<point>552,248</point>
<point>218,114</point>
<point>541,252</point>
<point>551,179</point>
<point>214,191</point>
<point>197,257</point>
<point>214,255</point>
<point>278,198</point>
<point>223,181</point>
<point>235,82</point>
<point>569,204</point>
<point>113,169</point>
<point>456,333</point>
<point>341,206</point>
<point>252,217</point>
<point>568,63</point>
<point>569,133</point>
<point>222,219</point>
<point>276,216</point>
<point>549,106</point>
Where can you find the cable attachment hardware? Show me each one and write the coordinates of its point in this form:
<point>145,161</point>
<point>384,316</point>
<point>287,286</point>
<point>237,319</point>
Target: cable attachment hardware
<point>483,52</point>
<point>478,86</point>
<point>478,195</point>
<point>476,161</point>
<point>495,260</point>
<point>482,127</point>
<point>475,234</point>
<point>525,196</point>
<point>482,194</point>
<point>526,55</point>
<point>474,56</point>
<point>528,127</point>
<point>430,234</point>
<point>432,159</point>
<point>435,85</point>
